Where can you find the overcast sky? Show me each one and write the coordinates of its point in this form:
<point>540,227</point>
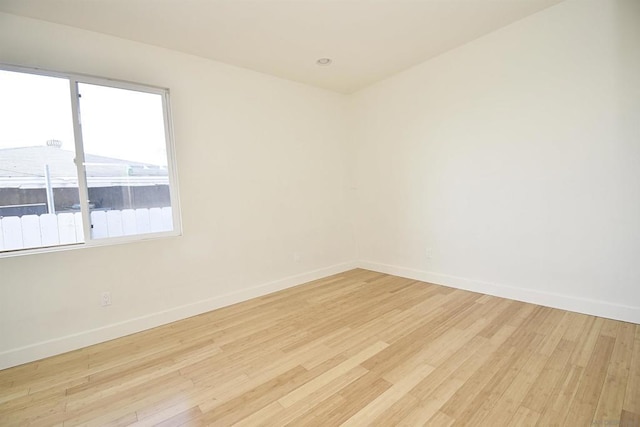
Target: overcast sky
<point>116,123</point>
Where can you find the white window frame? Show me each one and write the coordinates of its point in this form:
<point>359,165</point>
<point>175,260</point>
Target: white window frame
<point>83,189</point>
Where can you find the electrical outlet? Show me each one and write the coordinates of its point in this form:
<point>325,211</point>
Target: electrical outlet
<point>429,253</point>
<point>105,299</point>
<point>296,257</point>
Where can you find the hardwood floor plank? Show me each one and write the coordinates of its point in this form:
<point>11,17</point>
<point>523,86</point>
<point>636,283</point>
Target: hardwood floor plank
<point>543,387</point>
<point>629,419</point>
<point>493,391</point>
<point>524,417</point>
<point>554,411</point>
<point>615,384</point>
<point>631,404</point>
<point>556,335</point>
<point>186,417</point>
<point>396,412</point>
<point>585,401</point>
<point>341,406</point>
<point>394,393</point>
<point>240,407</point>
<point>429,406</point>
<point>288,415</point>
<point>333,373</point>
<point>441,420</point>
<point>507,405</point>
<point>476,349</point>
<point>587,342</point>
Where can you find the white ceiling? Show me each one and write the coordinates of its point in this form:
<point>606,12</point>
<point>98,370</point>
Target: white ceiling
<point>367,40</point>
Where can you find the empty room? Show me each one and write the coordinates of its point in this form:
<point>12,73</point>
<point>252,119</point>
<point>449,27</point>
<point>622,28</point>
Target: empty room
<point>310,212</point>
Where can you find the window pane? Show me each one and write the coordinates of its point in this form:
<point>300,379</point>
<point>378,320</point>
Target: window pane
<point>124,142</point>
<point>39,198</point>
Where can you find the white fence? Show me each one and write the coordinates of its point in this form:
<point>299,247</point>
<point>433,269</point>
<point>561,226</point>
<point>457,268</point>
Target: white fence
<point>33,231</point>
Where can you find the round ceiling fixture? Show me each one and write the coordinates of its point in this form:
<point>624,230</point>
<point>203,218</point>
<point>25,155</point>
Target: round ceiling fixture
<point>323,62</point>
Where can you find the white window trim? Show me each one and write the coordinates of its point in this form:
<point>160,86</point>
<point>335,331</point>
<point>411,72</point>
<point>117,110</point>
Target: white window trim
<point>74,79</point>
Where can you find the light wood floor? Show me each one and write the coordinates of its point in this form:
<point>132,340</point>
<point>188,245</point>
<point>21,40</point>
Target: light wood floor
<point>360,348</point>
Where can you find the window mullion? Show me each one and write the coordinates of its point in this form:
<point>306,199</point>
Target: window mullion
<point>171,167</point>
<point>83,187</point>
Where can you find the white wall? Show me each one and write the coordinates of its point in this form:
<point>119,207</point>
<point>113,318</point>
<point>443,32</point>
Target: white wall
<point>515,160</point>
<point>262,170</point>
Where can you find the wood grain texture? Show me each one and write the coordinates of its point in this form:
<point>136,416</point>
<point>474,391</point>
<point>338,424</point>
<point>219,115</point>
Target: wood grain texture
<point>359,348</point>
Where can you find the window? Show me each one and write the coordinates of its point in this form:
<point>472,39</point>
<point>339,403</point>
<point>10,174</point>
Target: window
<point>83,161</point>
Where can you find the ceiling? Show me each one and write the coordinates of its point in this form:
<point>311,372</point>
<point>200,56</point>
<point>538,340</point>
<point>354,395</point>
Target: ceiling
<point>367,40</point>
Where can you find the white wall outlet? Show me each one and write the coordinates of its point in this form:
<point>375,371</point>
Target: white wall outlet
<point>105,299</point>
<point>296,257</point>
<point>429,253</point>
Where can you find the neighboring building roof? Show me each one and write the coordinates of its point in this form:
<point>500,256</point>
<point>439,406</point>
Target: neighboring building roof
<point>24,167</point>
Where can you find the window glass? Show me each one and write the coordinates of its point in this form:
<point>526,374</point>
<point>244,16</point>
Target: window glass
<point>39,199</point>
<point>125,156</point>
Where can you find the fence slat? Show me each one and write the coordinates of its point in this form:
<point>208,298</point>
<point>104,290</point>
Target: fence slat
<point>30,231</point>
<point>99,227</point>
<point>167,219</point>
<point>67,228</point>
<point>12,232</point>
<point>143,222</point>
<point>77,219</point>
<point>114,223</point>
<point>49,229</point>
<point>155,217</point>
<point>129,222</point>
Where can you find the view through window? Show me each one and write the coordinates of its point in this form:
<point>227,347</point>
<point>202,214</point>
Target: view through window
<point>110,179</point>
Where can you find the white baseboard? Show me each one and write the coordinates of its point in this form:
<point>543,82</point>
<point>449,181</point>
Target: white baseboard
<point>86,338</point>
<point>40,350</point>
<point>565,302</point>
